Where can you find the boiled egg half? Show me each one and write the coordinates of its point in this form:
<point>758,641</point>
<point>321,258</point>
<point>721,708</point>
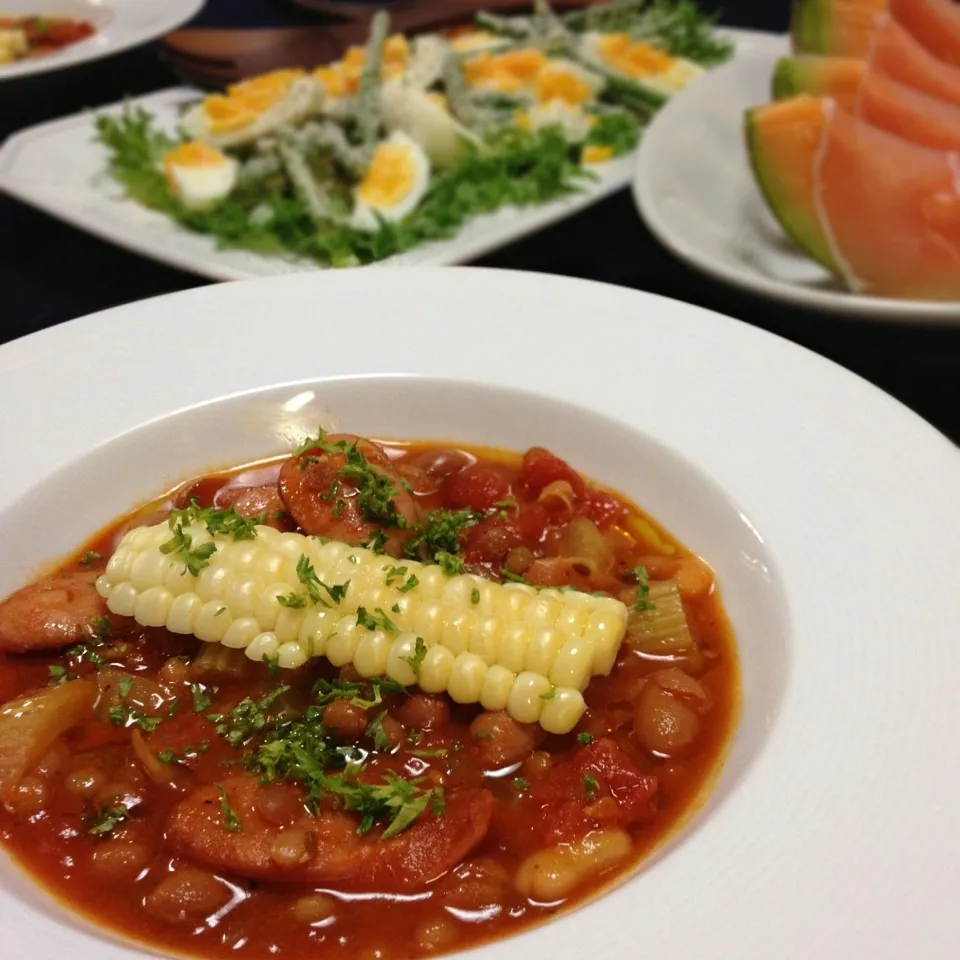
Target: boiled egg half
<point>514,72</point>
<point>199,175</point>
<point>395,182</point>
<point>638,61</point>
<point>252,109</point>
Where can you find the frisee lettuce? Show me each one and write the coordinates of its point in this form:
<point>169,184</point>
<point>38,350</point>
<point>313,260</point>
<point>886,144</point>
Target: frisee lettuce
<point>518,167</point>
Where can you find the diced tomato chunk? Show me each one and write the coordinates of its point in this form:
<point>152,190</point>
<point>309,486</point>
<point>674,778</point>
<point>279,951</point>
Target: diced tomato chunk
<point>603,509</point>
<point>491,540</point>
<point>541,467</point>
<point>572,796</point>
<point>476,487</point>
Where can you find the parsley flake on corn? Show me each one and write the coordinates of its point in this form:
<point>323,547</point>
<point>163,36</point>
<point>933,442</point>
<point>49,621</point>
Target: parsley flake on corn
<point>506,646</point>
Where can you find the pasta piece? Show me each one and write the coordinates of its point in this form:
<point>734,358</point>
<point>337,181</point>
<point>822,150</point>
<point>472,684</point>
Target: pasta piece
<point>662,629</point>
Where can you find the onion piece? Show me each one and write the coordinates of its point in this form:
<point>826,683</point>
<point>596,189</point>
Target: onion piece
<point>30,724</point>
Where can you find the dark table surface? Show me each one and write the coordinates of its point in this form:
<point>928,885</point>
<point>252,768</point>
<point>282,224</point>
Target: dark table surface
<point>50,273</point>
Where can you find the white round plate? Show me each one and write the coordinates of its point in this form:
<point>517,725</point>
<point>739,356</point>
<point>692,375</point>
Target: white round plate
<point>120,24</point>
<point>695,190</point>
<point>828,509</point>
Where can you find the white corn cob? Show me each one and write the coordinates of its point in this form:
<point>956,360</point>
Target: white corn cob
<point>506,646</point>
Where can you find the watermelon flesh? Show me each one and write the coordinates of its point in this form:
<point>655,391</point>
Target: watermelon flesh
<point>836,28</point>
<point>881,213</point>
<point>872,97</point>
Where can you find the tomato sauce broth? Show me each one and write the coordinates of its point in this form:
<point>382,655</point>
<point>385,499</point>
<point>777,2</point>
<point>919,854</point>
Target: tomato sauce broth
<point>111,878</point>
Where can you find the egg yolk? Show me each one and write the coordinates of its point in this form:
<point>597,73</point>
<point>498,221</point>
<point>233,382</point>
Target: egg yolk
<point>390,177</point>
<point>333,79</point>
<point>245,101</point>
<point>195,155</point>
<point>633,59</point>
<point>596,154</point>
<point>562,85</point>
<point>508,72</point>
<point>472,40</point>
<point>396,55</point>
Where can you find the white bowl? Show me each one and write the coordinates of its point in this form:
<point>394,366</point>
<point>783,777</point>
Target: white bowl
<point>828,510</point>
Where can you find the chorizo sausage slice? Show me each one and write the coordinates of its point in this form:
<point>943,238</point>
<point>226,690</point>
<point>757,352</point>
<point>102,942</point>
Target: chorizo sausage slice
<point>328,495</point>
<point>50,614</point>
<point>333,851</point>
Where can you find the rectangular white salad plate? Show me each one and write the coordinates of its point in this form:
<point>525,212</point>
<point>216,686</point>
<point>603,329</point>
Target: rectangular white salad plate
<point>59,168</point>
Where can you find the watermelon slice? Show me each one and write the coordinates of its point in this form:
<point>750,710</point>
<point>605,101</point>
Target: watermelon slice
<point>836,28</point>
<point>880,101</point>
<point>935,24</point>
<point>881,213</point>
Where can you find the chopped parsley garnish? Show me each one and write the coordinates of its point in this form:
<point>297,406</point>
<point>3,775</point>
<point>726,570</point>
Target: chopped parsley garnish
<point>98,635</point>
<point>295,601</point>
<point>124,716</point>
<point>590,786</point>
<point>550,694</point>
<point>365,695</point>
<point>396,608</point>
<point>512,577</point>
<point>188,753</point>
<point>519,783</point>
<point>411,582</point>
<point>202,696</point>
<point>377,542</point>
<point>375,621</point>
<point>230,820</point>
<point>452,566</point>
<point>226,522</point>
<point>376,732</point>
<point>59,675</point>
<point>475,596</point>
<point>483,735</point>
<point>504,506</point>
<point>308,577</point>
<point>416,658</point>
<point>273,663</point>
<point>91,556</point>
<point>181,545</point>
<point>440,533</point>
<point>394,573</point>
<point>643,603</point>
<point>247,718</point>
<point>107,820</point>
<point>585,739</point>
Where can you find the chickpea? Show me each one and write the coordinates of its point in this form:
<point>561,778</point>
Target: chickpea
<point>279,804</point>
<point>502,741</point>
<point>175,671</point>
<point>84,782</point>
<point>345,720</point>
<point>314,908</point>
<point>537,764</point>
<point>188,895</point>
<point>120,859</point>
<point>439,934</point>
<point>28,798</point>
<point>423,712</point>
<point>293,847</point>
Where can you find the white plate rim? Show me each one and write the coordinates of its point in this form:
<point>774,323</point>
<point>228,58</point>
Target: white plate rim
<point>819,464</point>
<point>479,237</point>
<point>854,306</point>
<point>115,37</point>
